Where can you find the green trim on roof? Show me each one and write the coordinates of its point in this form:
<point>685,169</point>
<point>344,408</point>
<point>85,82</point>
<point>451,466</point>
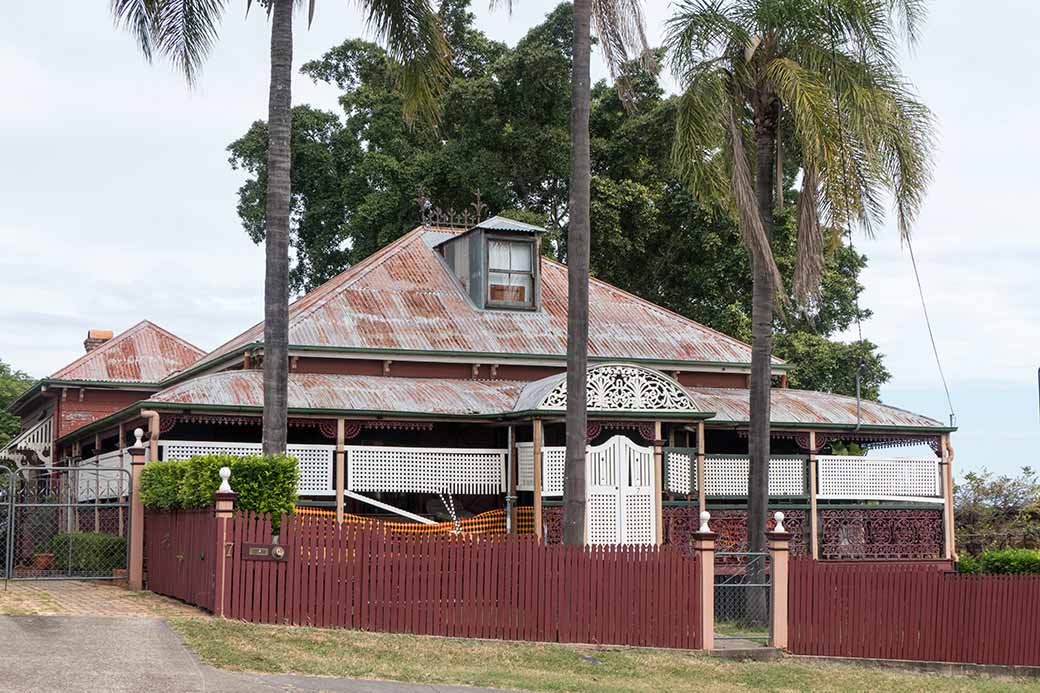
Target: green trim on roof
<point>37,387</point>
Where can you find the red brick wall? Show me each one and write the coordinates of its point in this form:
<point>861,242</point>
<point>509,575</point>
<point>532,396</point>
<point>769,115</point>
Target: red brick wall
<point>97,404</point>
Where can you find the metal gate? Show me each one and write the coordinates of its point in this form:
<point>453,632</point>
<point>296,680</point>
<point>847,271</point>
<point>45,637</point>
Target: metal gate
<point>620,489</point>
<point>70,522</point>
<point>743,599</point>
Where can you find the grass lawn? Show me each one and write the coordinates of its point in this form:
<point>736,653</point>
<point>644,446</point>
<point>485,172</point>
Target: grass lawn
<point>284,649</point>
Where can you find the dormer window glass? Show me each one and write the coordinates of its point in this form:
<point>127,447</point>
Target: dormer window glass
<point>510,282</point>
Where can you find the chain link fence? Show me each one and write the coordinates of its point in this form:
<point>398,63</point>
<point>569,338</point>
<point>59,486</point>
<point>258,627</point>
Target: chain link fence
<point>65,522</point>
<point>743,606</point>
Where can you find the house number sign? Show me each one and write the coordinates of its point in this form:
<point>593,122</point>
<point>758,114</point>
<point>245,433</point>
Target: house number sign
<point>263,552</point>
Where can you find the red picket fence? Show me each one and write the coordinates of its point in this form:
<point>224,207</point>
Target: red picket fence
<point>504,587</point>
<point>913,611</point>
<point>179,548</point>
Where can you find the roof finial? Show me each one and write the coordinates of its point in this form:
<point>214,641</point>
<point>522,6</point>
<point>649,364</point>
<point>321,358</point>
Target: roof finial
<point>479,207</point>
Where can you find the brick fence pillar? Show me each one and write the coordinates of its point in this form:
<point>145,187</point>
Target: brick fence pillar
<point>704,545</point>
<point>136,567</point>
<point>779,553</point>
<point>223,509</point>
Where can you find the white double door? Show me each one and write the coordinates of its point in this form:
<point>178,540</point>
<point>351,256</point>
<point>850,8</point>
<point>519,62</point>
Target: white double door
<point>620,490</point>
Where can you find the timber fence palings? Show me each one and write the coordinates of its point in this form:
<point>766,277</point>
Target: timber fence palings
<point>914,611</point>
<point>497,587</point>
<point>179,553</point>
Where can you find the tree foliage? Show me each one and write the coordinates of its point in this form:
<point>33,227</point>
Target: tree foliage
<point>13,382</point>
<point>504,129</point>
<point>994,511</point>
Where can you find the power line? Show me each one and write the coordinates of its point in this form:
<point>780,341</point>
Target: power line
<point>931,334</point>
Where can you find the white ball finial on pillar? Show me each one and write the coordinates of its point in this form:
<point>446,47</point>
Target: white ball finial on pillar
<point>139,435</point>
<point>779,517</point>
<point>705,516</point>
<point>225,474</point>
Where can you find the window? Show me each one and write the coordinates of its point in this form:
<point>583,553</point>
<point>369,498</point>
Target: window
<point>510,273</point>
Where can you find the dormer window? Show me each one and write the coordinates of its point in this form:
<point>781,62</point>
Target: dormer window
<point>510,281</point>
<point>496,263</point>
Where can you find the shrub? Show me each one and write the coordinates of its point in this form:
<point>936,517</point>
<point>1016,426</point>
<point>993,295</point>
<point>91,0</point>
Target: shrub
<point>968,565</point>
<point>1010,561</point>
<point>160,485</point>
<point>265,484</point>
<point>89,553</point>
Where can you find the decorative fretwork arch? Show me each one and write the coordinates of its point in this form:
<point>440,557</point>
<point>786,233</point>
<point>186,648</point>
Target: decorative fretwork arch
<point>625,388</point>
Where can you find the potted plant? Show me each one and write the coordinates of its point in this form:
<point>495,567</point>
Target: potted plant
<point>43,558</point>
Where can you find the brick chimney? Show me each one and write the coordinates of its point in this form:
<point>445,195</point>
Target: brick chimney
<point>96,338</point>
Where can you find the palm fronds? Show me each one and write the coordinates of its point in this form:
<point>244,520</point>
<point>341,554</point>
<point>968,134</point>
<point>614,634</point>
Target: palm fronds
<point>183,31</point>
<point>862,135</point>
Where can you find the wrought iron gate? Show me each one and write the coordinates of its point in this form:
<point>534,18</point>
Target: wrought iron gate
<point>70,522</point>
<point>620,489</point>
<point>743,602</point>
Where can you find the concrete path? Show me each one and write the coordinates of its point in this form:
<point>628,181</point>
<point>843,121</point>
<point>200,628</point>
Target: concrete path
<point>84,653</point>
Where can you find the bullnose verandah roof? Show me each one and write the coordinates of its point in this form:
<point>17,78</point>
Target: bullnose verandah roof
<point>433,397</point>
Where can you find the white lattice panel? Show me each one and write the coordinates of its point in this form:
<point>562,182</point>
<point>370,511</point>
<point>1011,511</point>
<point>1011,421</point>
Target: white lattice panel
<point>726,475</point>
<point>677,472</point>
<point>525,466</point>
<point>426,470</point>
<point>315,460</point>
<point>880,479</point>
<point>553,461</point>
<point>603,517</point>
<point>638,519</point>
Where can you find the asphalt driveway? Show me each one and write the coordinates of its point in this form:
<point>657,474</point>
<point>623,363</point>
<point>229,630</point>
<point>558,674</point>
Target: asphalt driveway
<point>88,653</point>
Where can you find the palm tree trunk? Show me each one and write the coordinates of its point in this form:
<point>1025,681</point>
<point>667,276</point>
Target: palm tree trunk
<point>276,283</point>
<point>762,296</point>
<point>578,278</point>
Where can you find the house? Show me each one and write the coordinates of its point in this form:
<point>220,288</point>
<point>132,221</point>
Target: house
<point>428,380</point>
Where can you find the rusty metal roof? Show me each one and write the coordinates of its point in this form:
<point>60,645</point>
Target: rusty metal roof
<point>353,393</point>
<point>404,298</point>
<point>145,353</point>
<point>459,397</point>
<point>793,407</point>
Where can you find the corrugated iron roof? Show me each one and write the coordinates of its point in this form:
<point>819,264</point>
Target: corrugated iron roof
<point>145,353</point>
<point>404,298</point>
<point>732,405</point>
<point>497,223</point>
<point>358,393</point>
<point>458,397</point>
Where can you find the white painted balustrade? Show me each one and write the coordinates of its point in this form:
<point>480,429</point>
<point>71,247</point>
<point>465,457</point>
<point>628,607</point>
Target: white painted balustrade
<point>871,478</point>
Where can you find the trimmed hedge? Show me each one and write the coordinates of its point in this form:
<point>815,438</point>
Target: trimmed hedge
<point>89,553</point>
<point>1002,562</point>
<point>264,484</point>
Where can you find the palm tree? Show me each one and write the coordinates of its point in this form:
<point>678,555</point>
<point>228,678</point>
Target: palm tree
<point>823,75</point>
<point>619,26</point>
<point>620,30</point>
<point>184,31</point>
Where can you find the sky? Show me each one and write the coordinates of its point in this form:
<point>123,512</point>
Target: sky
<point>117,202</point>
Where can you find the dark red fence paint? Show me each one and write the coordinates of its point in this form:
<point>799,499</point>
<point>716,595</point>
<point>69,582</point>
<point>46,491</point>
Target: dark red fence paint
<point>179,555</point>
<point>504,587</point>
<point>913,611</point>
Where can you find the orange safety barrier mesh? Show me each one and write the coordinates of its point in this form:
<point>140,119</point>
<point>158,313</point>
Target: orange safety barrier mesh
<point>490,522</point>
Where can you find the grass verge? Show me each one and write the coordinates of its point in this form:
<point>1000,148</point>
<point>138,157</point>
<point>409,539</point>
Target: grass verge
<point>537,667</point>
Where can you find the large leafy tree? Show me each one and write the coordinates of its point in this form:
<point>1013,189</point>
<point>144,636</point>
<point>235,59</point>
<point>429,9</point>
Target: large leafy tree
<point>823,77</point>
<point>504,129</point>
<point>185,30</point>
<point>13,382</point>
